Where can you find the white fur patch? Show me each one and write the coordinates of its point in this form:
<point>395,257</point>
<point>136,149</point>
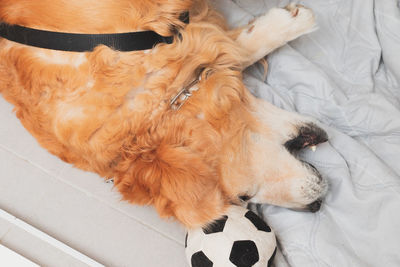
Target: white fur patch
<point>131,96</point>
<point>201,116</point>
<point>67,112</point>
<point>61,58</point>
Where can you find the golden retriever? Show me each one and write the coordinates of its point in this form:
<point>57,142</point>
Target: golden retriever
<point>173,125</point>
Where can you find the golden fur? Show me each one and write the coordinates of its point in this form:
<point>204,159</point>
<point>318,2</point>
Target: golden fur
<point>108,112</point>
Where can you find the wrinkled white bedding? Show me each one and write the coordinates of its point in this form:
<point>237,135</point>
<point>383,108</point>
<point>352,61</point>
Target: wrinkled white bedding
<point>347,75</point>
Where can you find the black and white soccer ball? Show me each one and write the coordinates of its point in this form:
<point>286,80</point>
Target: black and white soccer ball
<point>239,239</point>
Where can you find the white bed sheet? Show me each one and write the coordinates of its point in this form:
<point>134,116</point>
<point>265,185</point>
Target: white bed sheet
<point>346,74</point>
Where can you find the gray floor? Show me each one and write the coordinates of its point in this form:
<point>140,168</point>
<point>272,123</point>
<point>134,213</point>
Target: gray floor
<point>76,208</point>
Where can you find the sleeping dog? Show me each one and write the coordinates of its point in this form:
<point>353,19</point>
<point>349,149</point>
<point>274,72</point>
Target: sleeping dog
<point>151,94</point>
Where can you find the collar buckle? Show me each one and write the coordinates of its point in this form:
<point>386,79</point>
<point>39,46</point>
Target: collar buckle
<point>183,95</point>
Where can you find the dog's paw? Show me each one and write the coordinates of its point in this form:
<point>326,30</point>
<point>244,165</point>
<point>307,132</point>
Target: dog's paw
<point>293,9</point>
<point>302,20</point>
<point>308,135</point>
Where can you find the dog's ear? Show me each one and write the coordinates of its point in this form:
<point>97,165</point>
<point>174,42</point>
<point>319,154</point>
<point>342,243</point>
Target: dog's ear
<point>190,188</point>
<point>179,176</point>
<point>178,182</point>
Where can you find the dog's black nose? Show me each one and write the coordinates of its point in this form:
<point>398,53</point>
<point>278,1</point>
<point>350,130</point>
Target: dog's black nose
<point>244,198</point>
<point>315,206</point>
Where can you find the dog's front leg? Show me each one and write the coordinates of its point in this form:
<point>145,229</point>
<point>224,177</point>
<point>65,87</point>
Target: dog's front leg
<point>272,30</point>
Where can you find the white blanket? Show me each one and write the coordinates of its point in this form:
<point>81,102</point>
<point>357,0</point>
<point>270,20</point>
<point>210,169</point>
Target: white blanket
<point>347,75</point>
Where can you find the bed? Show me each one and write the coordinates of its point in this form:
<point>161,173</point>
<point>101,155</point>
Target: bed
<point>346,74</point>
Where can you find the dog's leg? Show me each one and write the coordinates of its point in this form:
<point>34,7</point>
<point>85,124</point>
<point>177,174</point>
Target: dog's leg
<point>272,30</point>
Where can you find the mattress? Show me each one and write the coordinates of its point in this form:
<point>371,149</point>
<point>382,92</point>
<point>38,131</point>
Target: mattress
<point>346,75</point>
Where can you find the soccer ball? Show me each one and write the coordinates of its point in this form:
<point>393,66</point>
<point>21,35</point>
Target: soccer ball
<point>239,239</point>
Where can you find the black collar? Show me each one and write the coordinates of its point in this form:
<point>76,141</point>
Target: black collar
<point>77,42</point>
